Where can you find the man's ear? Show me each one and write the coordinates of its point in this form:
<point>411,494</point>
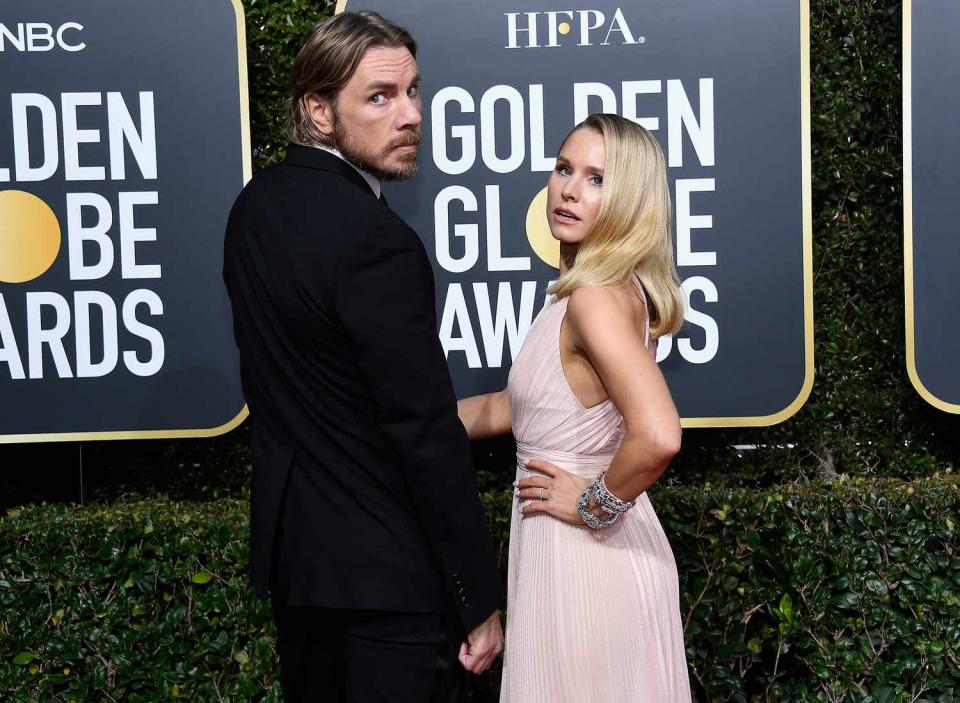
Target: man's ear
<point>321,112</point>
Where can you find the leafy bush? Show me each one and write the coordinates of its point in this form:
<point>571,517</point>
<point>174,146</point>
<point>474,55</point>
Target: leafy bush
<point>847,591</point>
<point>139,602</point>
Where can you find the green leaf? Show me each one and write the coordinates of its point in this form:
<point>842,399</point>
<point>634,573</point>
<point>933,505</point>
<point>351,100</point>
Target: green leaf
<point>24,658</point>
<point>786,607</point>
<point>202,577</point>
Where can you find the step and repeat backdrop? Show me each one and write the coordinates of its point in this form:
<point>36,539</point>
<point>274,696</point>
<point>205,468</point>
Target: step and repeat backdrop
<point>124,140</point>
<point>123,143</point>
<point>931,182</point>
<point>724,88</point>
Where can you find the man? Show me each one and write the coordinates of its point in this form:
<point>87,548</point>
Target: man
<point>366,528</point>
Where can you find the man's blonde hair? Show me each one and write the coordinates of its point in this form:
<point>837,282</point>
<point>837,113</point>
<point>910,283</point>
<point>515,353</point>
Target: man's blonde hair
<point>632,231</point>
<point>329,58</point>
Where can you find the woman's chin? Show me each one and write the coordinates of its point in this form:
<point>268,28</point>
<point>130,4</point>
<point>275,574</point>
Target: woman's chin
<point>565,236</point>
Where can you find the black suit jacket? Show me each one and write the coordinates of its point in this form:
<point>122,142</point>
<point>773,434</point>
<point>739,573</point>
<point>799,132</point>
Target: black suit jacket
<point>363,490</point>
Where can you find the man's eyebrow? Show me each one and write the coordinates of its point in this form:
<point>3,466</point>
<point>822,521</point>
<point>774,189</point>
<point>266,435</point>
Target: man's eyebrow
<point>389,85</point>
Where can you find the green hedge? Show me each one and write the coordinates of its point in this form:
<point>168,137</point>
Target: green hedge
<point>140,602</point>
<point>847,591</point>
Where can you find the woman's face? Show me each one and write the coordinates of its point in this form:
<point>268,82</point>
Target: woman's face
<point>573,191</point>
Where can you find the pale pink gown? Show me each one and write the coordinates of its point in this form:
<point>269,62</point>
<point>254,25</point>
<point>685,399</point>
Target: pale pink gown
<point>592,615</point>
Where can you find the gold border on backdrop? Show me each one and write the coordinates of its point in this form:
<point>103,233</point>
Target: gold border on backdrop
<point>807,218</point>
<point>247,173</point>
<point>908,219</point>
<point>808,373</point>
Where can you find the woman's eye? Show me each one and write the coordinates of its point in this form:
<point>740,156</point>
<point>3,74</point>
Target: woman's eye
<point>563,170</point>
<point>597,180</point>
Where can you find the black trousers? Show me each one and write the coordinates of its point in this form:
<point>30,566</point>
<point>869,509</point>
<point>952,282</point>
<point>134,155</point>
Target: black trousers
<point>367,656</point>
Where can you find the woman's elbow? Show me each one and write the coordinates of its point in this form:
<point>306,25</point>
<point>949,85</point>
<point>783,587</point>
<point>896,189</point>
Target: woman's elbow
<point>665,442</point>
<point>658,444</point>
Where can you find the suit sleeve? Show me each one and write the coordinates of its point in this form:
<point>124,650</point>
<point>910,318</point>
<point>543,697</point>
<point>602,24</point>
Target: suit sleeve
<point>385,299</point>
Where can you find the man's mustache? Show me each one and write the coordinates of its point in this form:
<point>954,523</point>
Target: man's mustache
<point>407,139</point>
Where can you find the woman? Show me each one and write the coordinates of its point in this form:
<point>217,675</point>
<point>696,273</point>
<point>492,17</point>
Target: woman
<point>593,604</point>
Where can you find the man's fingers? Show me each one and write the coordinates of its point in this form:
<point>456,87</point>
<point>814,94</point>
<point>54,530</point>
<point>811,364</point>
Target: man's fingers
<point>481,663</point>
<point>482,666</point>
<point>482,645</point>
<point>466,657</point>
<point>481,657</point>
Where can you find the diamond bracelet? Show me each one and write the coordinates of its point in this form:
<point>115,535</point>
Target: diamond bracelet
<point>607,500</point>
<point>583,507</point>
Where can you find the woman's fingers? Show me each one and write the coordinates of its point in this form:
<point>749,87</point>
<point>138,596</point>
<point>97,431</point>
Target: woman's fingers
<point>533,493</point>
<point>543,466</point>
<point>555,492</point>
<point>536,506</point>
<point>554,508</point>
<point>533,482</point>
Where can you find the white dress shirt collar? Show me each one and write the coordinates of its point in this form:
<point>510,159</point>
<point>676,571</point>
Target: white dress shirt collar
<point>371,181</point>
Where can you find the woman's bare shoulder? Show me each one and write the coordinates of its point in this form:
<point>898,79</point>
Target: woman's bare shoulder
<point>617,305</point>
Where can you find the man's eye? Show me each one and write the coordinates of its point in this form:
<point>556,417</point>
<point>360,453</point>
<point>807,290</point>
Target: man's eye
<point>378,99</point>
<point>413,91</point>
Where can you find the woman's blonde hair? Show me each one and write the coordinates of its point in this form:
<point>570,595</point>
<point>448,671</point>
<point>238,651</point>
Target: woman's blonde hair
<point>632,231</point>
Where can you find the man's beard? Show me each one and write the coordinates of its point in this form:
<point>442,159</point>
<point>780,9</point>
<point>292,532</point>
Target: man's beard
<point>354,151</point>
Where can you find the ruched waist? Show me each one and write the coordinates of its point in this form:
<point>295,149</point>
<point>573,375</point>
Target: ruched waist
<point>587,465</point>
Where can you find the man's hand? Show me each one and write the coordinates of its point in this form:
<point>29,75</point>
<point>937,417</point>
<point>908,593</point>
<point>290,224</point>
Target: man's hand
<point>482,645</point>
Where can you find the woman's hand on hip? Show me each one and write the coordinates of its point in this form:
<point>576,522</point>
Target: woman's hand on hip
<point>555,493</point>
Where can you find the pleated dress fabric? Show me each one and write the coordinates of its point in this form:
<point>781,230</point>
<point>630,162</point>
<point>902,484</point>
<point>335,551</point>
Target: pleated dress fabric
<point>592,615</point>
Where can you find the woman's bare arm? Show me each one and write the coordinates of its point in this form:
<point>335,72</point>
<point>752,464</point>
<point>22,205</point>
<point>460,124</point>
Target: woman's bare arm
<point>485,416</point>
<point>607,325</point>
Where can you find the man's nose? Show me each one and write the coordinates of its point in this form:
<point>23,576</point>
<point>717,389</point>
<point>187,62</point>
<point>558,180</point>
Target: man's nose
<point>410,115</point>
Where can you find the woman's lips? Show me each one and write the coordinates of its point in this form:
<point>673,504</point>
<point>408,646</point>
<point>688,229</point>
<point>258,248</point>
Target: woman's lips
<point>564,217</point>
